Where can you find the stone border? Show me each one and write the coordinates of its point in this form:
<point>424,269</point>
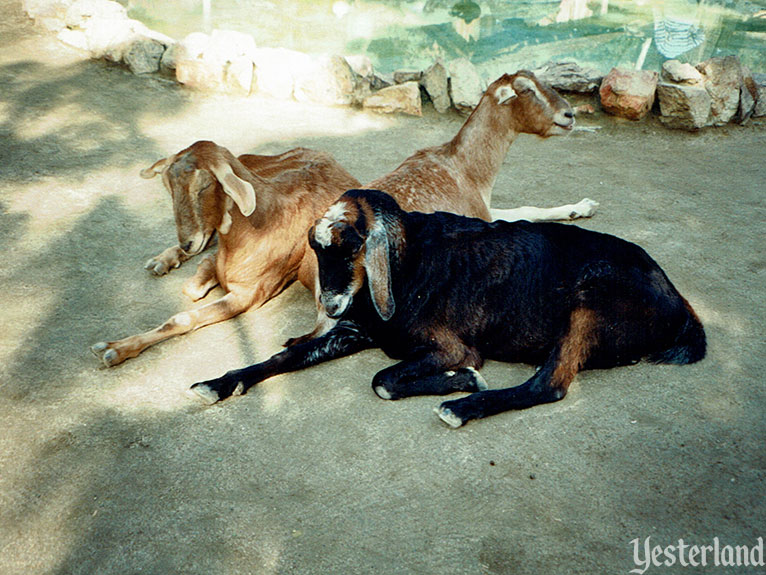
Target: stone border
<point>714,93</point>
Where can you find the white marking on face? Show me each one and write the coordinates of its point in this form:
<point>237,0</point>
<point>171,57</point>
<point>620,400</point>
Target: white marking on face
<point>336,304</point>
<point>504,93</point>
<point>323,230</point>
<point>225,226</point>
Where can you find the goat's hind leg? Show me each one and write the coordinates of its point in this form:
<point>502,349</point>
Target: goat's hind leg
<point>549,384</point>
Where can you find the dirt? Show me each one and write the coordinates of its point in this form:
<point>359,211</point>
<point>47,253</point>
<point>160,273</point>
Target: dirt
<point>118,470</point>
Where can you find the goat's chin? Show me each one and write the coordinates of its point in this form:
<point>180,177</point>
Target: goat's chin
<point>560,130</point>
<point>198,244</point>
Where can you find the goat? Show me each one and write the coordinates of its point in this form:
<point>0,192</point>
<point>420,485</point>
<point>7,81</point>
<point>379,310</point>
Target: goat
<point>260,251</point>
<point>214,191</point>
<point>445,292</point>
<point>459,176</point>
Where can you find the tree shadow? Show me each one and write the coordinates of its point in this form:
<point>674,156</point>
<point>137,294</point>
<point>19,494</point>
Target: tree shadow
<point>66,120</point>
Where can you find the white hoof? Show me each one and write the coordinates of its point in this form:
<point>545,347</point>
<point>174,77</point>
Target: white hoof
<point>205,394</point>
<point>584,209</point>
<point>448,417</point>
<point>382,392</point>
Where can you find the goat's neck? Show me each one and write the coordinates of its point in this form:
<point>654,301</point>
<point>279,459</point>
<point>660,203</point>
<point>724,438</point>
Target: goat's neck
<point>479,148</point>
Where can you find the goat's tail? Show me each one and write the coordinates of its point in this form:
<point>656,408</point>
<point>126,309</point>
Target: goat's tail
<point>690,343</point>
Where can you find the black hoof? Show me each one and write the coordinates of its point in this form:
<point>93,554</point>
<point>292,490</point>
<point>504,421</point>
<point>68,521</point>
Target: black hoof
<point>215,390</point>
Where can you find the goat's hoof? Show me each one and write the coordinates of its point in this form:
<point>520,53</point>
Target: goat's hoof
<point>205,393</point>
<point>585,208</point>
<point>157,267</point>
<point>382,392</point>
<point>477,383</point>
<point>108,356</point>
<point>448,417</point>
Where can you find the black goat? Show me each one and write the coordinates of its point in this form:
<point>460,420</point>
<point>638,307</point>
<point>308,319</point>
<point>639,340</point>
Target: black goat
<point>446,292</point>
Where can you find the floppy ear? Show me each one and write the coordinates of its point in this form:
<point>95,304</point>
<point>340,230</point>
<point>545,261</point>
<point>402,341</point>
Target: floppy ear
<point>156,168</point>
<point>378,270</point>
<point>236,188</point>
<point>504,93</point>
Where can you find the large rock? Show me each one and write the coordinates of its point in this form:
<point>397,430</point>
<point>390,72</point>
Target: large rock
<point>329,82</point>
<point>683,106</point>
<point>81,11</point>
<point>723,78</point>
<point>404,98</point>
<point>276,70</point>
<point>628,93</point>
<point>238,76</point>
<point>680,73</point>
<point>48,14</point>
<point>435,82</point>
<point>748,93</point>
<point>143,56</point>
<point>466,86</point>
<point>759,80</point>
<point>569,77</point>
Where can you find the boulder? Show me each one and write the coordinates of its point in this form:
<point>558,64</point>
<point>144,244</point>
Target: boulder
<point>238,76</point>
<point>330,81</point>
<point>81,11</point>
<point>403,76</point>
<point>683,106</point>
<point>628,93</point>
<point>680,73</point>
<point>276,70</point>
<point>759,81</point>
<point>436,84</point>
<point>193,68</point>
<point>748,92</point>
<point>143,56</point>
<point>723,78</point>
<point>404,98</point>
<point>569,77</point>
<point>466,86</point>
<point>48,14</point>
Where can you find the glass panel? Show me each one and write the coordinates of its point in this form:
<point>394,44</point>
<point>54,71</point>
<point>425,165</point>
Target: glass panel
<point>498,36</point>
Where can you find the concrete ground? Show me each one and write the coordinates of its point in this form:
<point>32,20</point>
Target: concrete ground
<point>118,471</point>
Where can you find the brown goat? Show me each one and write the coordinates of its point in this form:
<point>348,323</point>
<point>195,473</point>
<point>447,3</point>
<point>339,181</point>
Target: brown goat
<point>262,244</point>
<point>263,248</point>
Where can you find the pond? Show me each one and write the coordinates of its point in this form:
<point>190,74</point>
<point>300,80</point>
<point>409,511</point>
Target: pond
<point>496,35</point>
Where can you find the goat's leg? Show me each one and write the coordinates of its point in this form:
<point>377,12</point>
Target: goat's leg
<point>549,384</point>
<point>115,352</point>
<point>167,260</point>
<point>344,339</point>
<point>203,280</point>
<point>432,373</point>
<point>583,209</point>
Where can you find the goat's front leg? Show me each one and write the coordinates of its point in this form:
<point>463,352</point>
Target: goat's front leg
<point>344,339</point>
<point>115,352</point>
<point>430,374</point>
<point>167,260</point>
<point>583,209</point>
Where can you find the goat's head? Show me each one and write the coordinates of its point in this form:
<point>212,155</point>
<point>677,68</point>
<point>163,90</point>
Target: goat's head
<point>205,181</point>
<point>351,243</point>
<point>529,105</point>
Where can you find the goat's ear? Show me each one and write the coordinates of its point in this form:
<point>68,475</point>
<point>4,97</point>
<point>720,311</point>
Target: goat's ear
<point>378,269</point>
<point>236,188</point>
<point>156,168</point>
<point>504,94</point>
<point>524,84</point>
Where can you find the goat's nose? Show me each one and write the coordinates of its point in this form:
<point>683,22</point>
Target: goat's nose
<point>569,114</point>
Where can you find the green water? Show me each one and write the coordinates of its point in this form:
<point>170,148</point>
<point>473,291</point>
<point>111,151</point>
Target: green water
<point>498,36</point>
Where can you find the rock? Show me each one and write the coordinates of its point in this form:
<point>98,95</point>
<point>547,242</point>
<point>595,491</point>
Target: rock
<point>681,73</point>
<point>584,109</point>
<point>569,77</point>
<point>48,14</point>
<point>683,106</point>
<point>436,84</point>
<point>748,92</point>
<point>723,78</point>
<point>329,82</point>
<point>201,74</point>
<point>238,76</point>
<point>759,80</point>
<point>276,70</point>
<point>404,98</point>
<point>628,93</point>
<point>403,76</point>
<point>361,65</point>
<point>466,86</point>
<point>168,60</point>
<point>228,45</point>
<point>143,56</point>
<point>74,38</point>
<point>81,11</point>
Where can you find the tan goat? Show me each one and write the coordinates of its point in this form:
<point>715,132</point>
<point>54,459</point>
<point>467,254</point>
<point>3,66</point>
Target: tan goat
<point>262,206</point>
